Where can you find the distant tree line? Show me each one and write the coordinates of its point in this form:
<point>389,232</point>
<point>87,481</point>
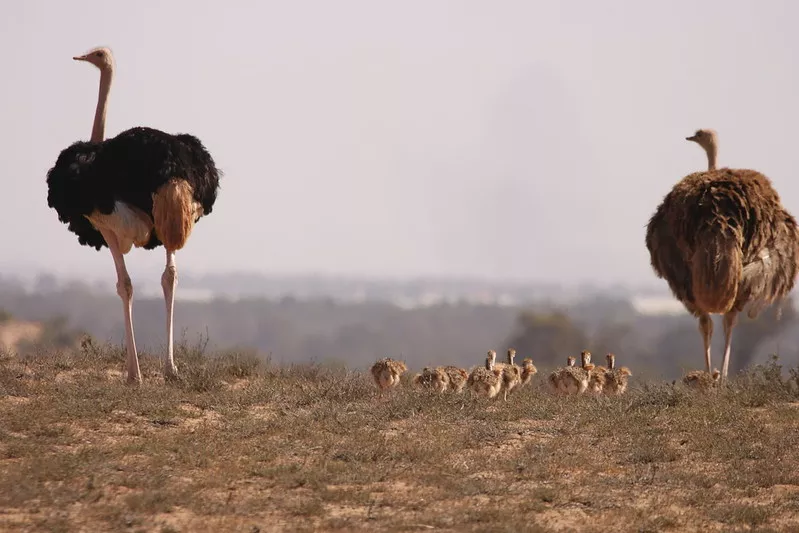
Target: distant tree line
<point>288,330</point>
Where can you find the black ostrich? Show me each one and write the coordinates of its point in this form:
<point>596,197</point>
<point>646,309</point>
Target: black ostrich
<point>723,241</point>
<point>143,187</point>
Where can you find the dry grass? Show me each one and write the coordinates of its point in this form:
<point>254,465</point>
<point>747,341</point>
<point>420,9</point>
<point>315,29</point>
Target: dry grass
<point>242,446</point>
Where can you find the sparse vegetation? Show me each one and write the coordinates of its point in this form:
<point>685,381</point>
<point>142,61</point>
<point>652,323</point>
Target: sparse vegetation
<point>244,445</point>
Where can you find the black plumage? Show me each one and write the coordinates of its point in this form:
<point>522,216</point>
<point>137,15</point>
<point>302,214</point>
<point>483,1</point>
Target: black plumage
<point>128,168</point>
<point>143,187</point>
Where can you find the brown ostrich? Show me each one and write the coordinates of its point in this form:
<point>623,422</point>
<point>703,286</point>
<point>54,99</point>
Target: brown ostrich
<point>701,380</point>
<point>486,380</point>
<point>597,378</point>
<point>457,378</point>
<point>386,372</point>
<point>569,379</point>
<point>511,374</point>
<point>722,240</point>
<point>615,378</point>
<point>432,378</point>
<point>528,371</point>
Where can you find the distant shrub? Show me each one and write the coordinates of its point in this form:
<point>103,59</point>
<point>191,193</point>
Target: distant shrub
<point>764,384</point>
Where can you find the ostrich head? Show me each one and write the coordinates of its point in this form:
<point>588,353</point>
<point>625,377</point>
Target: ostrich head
<point>99,57</point>
<point>586,357</point>
<point>708,140</point>
<point>716,374</point>
<point>570,361</point>
<point>102,59</point>
<point>511,355</point>
<point>491,358</point>
<point>704,138</point>
<point>611,360</point>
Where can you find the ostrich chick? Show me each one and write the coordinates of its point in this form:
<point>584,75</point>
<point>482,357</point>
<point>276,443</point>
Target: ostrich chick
<point>568,379</point>
<point>486,380</point>
<point>597,378</point>
<point>587,366</point>
<point>511,374</point>
<point>701,380</point>
<point>457,378</point>
<point>528,371</point>
<point>615,378</point>
<point>432,378</point>
<point>386,372</point>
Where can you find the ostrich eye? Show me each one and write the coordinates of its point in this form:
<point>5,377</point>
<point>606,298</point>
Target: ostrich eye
<point>99,54</point>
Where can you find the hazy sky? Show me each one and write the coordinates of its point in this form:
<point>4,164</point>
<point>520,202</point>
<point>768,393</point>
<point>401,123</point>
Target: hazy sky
<point>524,139</point>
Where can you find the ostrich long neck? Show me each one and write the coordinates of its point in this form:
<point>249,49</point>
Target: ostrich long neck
<point>98,129</point>
<point>712,152</point>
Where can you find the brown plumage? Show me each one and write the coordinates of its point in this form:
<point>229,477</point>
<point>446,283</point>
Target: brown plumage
<point>615,378</point>
<point>596,374</point>
<point>701,380</point>
<point>528,371</point>
<point>174,212</point>
<point>457,378</point>
<point>386,372</point>
<point>597,378</point>
<point>569,379</point>
<point>511,374</point>
<point>432,378</point>
<point>587,366</point>
<point>486,380</point>
<point>722,240</point>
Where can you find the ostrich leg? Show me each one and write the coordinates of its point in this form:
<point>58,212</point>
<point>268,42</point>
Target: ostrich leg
<point>706,329</point>
<point>125,291</point>
<point>168,282</point>
<point>730,319</point>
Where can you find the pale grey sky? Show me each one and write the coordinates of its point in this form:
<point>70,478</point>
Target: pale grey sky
<point>504,139</point>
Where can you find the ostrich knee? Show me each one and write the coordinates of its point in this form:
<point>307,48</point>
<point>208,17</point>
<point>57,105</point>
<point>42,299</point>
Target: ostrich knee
<point>169,279</point>
<point>125,288</point>
<point>706,325</point>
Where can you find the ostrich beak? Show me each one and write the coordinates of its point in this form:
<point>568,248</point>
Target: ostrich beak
<point>691,138</point>
<point>79,58</point>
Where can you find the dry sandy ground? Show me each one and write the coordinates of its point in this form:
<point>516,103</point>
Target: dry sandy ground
<point>238,446</point>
